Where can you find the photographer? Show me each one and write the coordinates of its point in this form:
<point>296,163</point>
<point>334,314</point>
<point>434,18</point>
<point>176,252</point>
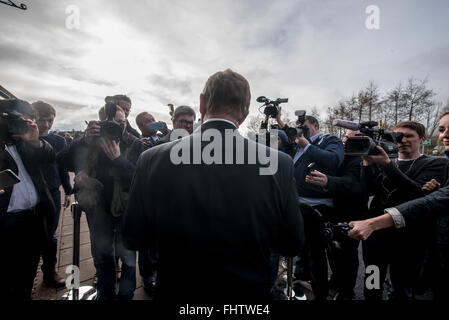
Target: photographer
<point>150,137</point>
<point>326,151</point>
<point>102,185</point>
<point>45,116</point>
<point>393,182</point>
<point>350,201</point>
<point>23,205</point>
<point>413,215</point>
<point>125,103</point>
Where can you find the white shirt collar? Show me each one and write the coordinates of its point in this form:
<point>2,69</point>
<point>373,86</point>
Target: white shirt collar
<point>219,119</point>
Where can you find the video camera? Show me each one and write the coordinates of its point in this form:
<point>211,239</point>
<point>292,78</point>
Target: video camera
<point>11,113</point>
<point>366,145</point>
<point>301,129</point>
<point>271,106</point>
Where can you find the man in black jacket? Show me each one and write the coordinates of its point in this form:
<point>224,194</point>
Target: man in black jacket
<point>45,116</point>
<point>393,182</point>
<point>351,203</point>
<point>102,185</point>
<point>222,218</point>
<point>22,207</point>
<point>327,153</point>
<point>415,215</point>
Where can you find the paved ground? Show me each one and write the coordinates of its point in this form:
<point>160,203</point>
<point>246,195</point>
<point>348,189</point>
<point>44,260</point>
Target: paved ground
<point>87,269</point>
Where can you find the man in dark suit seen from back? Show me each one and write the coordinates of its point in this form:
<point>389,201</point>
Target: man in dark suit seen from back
<point>224,220</point>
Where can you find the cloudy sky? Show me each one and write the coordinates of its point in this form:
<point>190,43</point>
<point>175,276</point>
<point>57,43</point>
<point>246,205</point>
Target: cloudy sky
<point>163,51</point>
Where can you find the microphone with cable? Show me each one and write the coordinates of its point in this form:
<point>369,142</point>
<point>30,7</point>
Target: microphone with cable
<point>354,126</point>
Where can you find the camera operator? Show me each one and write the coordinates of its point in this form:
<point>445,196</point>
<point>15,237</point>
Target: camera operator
<point>326,151</point>
<point>102,186</point>
<point>45,116</point>
<point>413,215</point>
<point>22,206</point>
<point>393,182</point>
<point>351,203</point>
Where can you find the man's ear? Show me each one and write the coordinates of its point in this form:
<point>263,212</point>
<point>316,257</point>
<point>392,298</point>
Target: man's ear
<point>203,106</point>
<point>244,118</point>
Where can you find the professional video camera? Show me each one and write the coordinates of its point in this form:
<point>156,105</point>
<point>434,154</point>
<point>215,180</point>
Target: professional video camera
<point>271,106</point>
<point>301,129</point>
<point>110,128</point>
<point>372,137</point>
<point>11,112</point>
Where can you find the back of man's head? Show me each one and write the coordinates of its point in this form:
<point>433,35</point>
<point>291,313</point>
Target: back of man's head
<point>227,92</point>
<point>412,125</point>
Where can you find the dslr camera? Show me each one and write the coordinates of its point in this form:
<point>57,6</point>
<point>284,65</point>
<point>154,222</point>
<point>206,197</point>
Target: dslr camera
<point>109,128</point>
<point>11,112</point>
<point>365,145</point>
<point>301,129</point>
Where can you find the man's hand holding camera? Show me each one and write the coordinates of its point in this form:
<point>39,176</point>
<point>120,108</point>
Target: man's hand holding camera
<point>93,131</point>
<point>302,141</point>
<point>32,135</point>
<point>317,178</point>
<point>110,148</point>
<point>381,159</point>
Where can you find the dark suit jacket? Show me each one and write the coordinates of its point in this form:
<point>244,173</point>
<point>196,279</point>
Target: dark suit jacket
<point>214,226</point>
<point>32,159</point>
<point>328,154</point>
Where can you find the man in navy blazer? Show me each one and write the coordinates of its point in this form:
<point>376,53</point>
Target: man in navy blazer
<point>55,177</point>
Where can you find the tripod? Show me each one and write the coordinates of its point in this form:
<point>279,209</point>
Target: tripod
<point>76,292</point>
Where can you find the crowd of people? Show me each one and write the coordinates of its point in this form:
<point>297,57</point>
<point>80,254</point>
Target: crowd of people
<point>202,231</point>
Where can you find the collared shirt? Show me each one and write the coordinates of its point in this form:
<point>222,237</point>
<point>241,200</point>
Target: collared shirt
<point>24,194</point>
<point>301,151</point>
<point>398,218</point>
<point>219,119</point>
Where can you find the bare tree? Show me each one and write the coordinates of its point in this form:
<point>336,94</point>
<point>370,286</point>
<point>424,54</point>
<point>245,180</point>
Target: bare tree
<point>417,98</point>
<point>254,123</point>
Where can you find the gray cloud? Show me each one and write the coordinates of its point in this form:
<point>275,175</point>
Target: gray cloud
<point>157,51</point>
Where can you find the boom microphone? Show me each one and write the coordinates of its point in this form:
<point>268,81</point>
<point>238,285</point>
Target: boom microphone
<point>354,126</point>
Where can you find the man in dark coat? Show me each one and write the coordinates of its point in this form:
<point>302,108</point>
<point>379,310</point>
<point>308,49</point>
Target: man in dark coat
<point>22,206</point>
<point>223,219</point>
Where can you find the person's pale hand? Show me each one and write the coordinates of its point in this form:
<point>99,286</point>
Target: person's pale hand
<point>110,147</point>
<point>67,201</point>
<point>317,178</point>
<point>93,131</point>
<point>165,129</point>
<point>302,142</point>
<point>380,159</point>
<point>431,185</point>
<point>361,230</point>
<point>32,135</point>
